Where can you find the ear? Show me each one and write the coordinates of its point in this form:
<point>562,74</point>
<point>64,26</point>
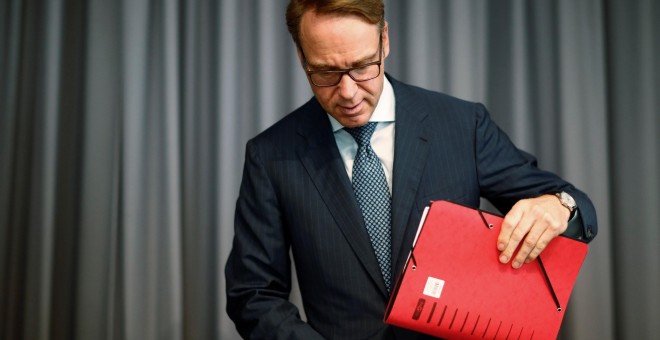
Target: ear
<point>386,41</point>
<point>300,59</point>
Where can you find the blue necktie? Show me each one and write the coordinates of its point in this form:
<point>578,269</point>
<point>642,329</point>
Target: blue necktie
<point>373,196</point>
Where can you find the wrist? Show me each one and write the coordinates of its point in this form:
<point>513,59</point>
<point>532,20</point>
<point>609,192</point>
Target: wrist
<point>568,202</point>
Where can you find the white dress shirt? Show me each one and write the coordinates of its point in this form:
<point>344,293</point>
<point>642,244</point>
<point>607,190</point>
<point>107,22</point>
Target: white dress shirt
<point>382,141</point>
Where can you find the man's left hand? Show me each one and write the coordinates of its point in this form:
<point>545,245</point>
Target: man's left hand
<point>531,225</point>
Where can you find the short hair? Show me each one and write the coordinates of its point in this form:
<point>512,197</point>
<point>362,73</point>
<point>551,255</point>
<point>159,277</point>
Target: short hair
<point>373,11</point>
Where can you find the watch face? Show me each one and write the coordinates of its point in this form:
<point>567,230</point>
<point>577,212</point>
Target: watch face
<point>568,200</point>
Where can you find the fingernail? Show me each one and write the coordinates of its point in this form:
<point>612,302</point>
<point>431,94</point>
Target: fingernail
<point>503,259</point>
<point>516,264</point>
<point>500,246</point>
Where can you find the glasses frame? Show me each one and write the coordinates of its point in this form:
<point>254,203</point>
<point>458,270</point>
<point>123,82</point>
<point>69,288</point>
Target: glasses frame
<point>345,71</point>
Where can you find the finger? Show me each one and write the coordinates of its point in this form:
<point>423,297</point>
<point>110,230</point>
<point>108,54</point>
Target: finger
<point>517,235</point>
<point>509,223</point>
<point>554,229</point>
<point>532,245</point>
<point>538,249</point>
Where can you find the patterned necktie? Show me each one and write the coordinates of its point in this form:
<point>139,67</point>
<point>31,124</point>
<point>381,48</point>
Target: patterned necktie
<point>373,196</point>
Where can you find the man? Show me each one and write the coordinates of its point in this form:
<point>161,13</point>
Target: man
<point>303,189</point>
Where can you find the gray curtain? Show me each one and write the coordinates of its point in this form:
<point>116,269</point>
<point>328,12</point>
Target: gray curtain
<point>122,127</point>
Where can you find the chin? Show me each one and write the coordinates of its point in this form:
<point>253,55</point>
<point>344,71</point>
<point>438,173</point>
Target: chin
<point>351,123</point>
<point>354,121</point>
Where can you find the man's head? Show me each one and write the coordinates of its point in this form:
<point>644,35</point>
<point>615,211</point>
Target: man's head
<point>337,36</point>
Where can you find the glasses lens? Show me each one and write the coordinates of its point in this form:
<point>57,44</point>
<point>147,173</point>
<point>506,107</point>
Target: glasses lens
<point>332,78</point>
<point>365,73</point>
<point>326,78</point>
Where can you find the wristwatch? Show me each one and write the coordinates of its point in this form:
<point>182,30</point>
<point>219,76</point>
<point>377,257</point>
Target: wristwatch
<point>567,201</point>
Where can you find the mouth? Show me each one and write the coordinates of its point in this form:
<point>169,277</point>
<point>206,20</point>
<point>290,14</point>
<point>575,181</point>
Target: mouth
<point>350,110</point>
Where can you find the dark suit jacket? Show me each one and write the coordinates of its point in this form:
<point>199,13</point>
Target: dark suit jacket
<point>296,197</point>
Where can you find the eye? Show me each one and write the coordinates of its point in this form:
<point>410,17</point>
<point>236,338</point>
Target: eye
<point>361,70</point>
<point>326,75</point>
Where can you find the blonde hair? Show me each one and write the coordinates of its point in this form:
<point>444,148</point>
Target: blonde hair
<point>373,11</point>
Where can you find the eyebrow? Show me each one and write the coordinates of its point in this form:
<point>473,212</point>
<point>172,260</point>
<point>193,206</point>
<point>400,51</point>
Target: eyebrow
<point>326,67</point>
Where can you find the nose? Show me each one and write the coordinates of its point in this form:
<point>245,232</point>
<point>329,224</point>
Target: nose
<point>347,87</point>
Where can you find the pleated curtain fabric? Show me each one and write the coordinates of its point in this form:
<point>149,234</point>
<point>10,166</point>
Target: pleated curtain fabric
<point>123,127</point>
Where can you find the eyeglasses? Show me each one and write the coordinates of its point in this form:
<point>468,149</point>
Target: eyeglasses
<point>364,72</point>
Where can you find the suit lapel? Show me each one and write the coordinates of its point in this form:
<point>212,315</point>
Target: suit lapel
<point>410,154</point>
<point>320,157</point>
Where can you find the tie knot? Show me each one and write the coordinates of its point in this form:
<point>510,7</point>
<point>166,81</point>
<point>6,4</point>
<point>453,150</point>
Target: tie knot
<point>362,134</point>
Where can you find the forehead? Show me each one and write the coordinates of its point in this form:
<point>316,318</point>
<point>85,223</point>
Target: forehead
<point>337,40</point>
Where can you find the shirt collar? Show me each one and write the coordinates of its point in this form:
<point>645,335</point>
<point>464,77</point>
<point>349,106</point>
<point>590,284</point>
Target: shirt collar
<point>384,111</point>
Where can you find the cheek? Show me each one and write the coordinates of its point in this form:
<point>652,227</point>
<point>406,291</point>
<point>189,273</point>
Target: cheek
<point>372,88</point>
<point>370,93</point>
<point>324,96</point>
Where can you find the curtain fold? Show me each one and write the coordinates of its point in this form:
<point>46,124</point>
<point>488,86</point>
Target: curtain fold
<point>634,83</point>
<point>123,125</point>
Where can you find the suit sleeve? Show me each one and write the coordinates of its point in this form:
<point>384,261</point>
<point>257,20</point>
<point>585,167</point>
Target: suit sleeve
<point>258,270</point>
<point>507,174</point>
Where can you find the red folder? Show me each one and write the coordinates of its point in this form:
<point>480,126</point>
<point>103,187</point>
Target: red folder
<point>453,285</point>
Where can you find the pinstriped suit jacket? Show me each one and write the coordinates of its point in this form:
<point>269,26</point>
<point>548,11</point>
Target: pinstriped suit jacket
<point>296,198</point>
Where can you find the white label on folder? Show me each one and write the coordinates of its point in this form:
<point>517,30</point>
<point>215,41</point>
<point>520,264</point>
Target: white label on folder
<point>434,287</point>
